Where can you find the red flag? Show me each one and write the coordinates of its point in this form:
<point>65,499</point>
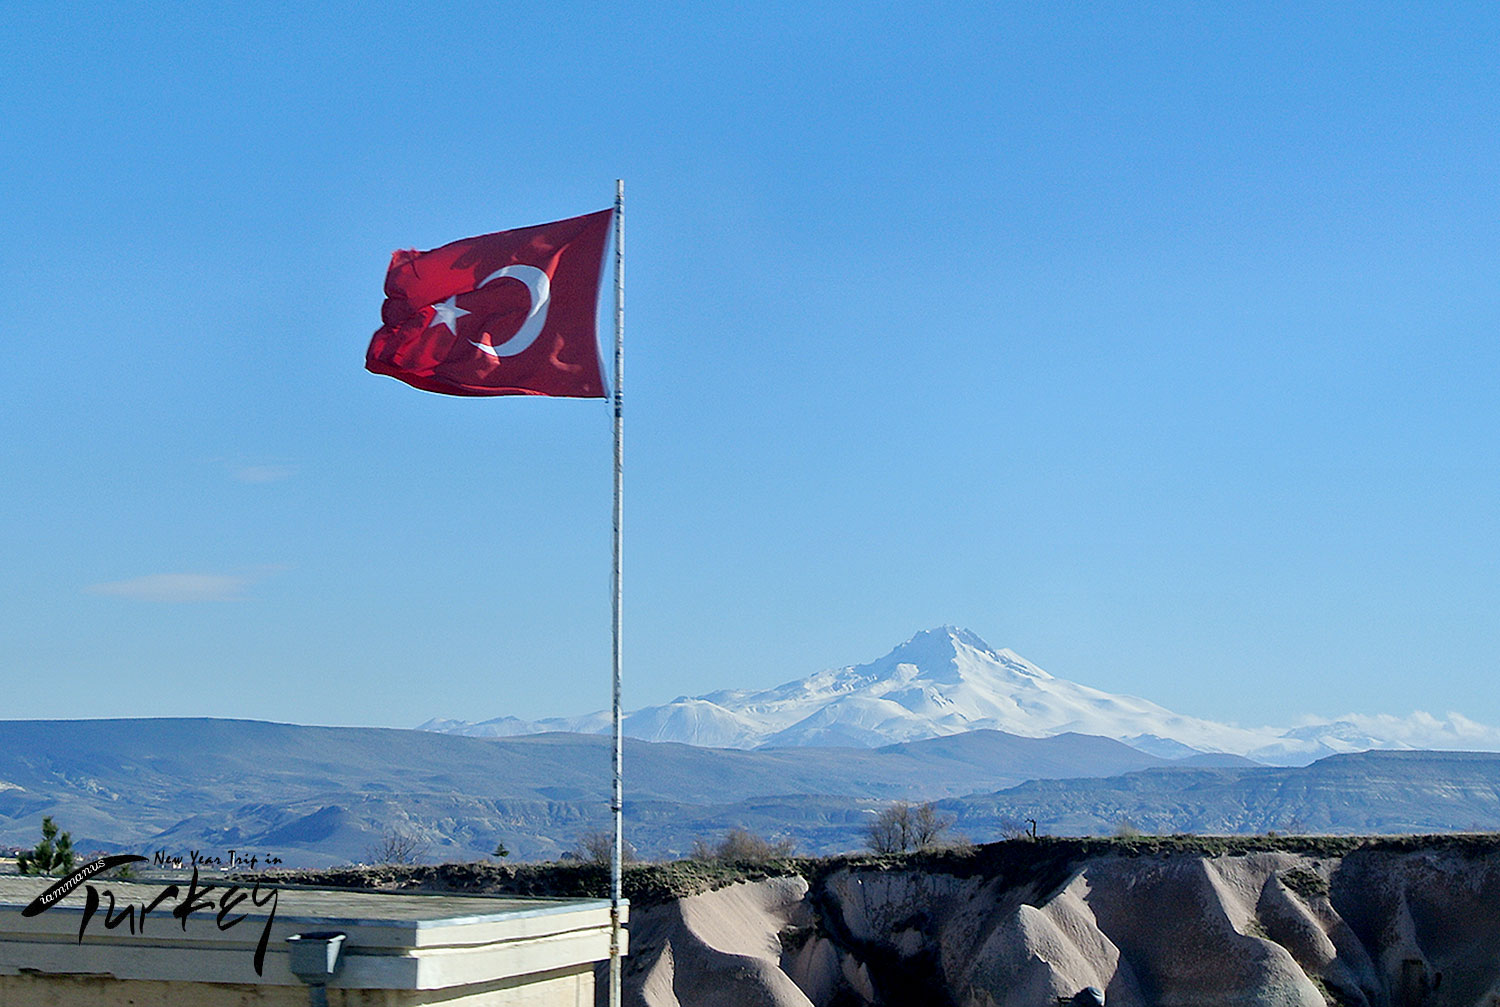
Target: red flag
<point>511,313</point>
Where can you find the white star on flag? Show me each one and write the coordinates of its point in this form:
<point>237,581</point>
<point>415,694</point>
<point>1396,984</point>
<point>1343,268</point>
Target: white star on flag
<point>447,313</point>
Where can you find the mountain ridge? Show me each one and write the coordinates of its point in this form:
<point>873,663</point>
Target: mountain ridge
<point>948,680</point>
<point>330,792</point>
<point>324,795</point>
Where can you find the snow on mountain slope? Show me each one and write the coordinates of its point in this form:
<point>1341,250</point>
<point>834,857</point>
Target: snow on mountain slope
<point>947,681</point>
<point>695,721</point>
<point>940,682</point>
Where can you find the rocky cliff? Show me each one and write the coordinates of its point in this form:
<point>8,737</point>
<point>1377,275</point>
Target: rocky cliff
<point>1399,923</point>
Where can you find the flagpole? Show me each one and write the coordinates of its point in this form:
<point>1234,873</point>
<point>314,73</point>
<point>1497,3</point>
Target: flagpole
<point>618,802</point>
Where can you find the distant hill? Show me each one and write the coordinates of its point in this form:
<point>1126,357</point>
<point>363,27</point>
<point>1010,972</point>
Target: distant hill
<point>325,794</point>
<point>1361,793</point>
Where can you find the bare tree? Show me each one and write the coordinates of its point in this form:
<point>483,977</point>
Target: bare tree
<point>905,826</point>
<point>597,848</point>
<point>743,845</point>
<point>927,826</point>
<point>396,848</point>
<point>1012,827</point>
<point>890,832</point>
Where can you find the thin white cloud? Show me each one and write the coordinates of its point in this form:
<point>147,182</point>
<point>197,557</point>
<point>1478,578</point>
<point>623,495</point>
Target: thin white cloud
<point>175,587</point>
<point>262,473</point>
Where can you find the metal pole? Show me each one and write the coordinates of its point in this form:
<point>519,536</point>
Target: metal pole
<point>618,803</point>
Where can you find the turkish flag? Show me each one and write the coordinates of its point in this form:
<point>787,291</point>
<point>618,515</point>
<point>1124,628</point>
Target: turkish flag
<point>511,313</point>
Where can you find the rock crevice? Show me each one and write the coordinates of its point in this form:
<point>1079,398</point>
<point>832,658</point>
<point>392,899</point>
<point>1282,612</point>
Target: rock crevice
<point>1368,928</point>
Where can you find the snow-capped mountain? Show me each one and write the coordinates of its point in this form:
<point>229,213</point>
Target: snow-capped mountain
<point>947,681</point>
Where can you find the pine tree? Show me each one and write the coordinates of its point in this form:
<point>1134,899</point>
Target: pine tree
<point>53,855</point>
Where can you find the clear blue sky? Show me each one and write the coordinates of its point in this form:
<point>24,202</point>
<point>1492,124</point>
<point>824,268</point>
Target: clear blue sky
<point>1156,342</point>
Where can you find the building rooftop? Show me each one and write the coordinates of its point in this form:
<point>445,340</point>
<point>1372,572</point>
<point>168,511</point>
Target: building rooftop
<point>234,930</point>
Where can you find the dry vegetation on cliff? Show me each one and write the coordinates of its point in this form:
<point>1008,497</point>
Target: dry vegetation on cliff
<point>1015,861</point>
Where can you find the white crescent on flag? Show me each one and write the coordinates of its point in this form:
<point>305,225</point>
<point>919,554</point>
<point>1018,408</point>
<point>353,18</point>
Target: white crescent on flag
<point>540,286</point>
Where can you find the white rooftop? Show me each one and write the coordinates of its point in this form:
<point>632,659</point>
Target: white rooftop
<point>395,941</point>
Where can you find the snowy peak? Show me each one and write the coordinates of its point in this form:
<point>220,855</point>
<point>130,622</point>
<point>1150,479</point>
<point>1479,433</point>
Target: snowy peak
<point>934,649</point>
<point>947,681</point>
<point>948,655</point>
<point>941,681</point>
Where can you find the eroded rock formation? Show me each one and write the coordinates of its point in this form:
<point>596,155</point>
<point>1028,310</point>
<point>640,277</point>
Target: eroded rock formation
<point>1416,927</point>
